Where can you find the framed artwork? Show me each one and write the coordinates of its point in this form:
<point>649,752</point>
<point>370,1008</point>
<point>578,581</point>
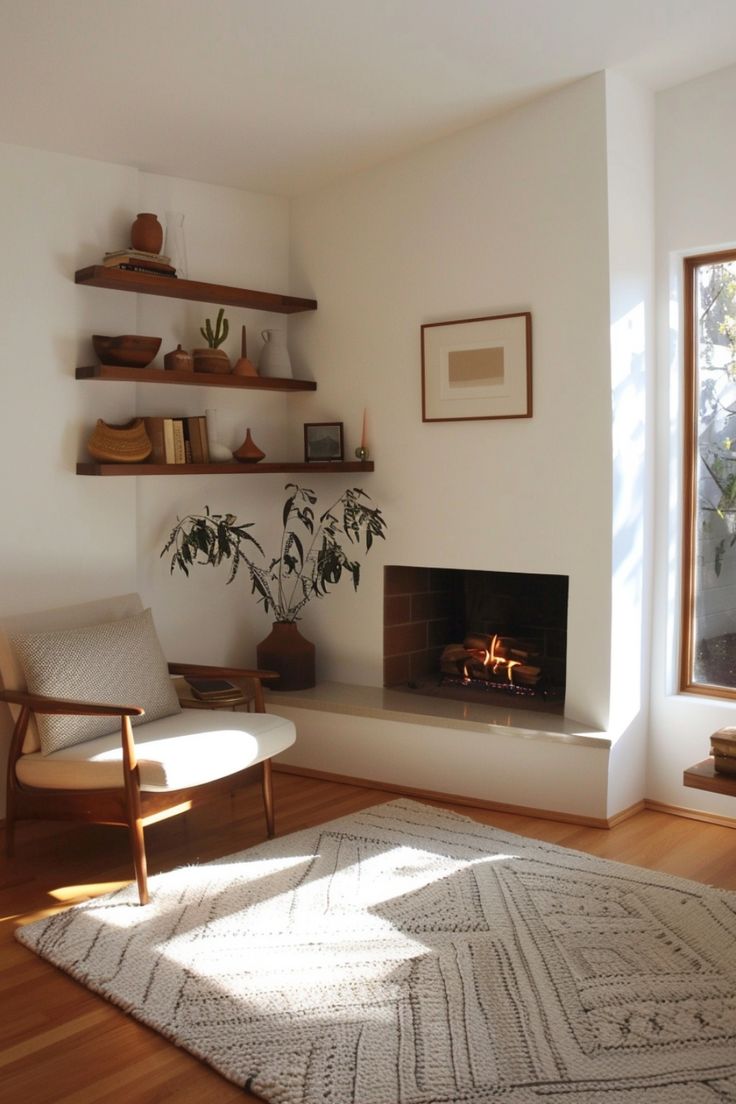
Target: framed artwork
<point>477,368</point>
<point>323,441</point>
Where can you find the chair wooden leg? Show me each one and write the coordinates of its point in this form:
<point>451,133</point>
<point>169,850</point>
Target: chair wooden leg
<point>133,804</point>
<point>268,797</point>
<point>139,859</point>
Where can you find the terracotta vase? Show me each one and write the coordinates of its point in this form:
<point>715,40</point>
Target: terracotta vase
<point>249,452</point>
<point>147,233</point>
<point>285,650</point>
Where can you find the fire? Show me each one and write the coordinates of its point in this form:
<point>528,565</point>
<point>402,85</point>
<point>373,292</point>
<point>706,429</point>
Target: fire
<point>488,659</point>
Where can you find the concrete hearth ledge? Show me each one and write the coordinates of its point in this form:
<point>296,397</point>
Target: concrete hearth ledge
<point>396,705</point>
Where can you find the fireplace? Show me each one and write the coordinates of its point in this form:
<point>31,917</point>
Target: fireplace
<point>491,636</point>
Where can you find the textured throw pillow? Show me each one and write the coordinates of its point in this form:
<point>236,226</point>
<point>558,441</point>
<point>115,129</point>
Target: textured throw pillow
<point>119,662</point>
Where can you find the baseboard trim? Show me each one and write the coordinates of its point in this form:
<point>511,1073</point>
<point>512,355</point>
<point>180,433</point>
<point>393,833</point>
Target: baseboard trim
<point>626,814</point>
<point>500,807</point>
<point>690,814</point>
<point>436,795</point>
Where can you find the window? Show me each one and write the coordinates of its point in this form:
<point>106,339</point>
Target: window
<point>708,656</point>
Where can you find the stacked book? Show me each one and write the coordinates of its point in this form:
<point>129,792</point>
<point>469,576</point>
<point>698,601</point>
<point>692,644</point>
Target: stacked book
<point>178,440</point>
<point>218,691</point>
<point>135,260</point>
<point>723,750</point>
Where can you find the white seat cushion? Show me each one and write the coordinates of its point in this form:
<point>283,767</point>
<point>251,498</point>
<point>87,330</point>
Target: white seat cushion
<point>187,749</point>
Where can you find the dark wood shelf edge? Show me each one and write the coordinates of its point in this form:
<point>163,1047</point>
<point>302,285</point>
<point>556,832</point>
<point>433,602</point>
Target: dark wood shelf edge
<point>193,379</point>
<point>318,468</point>
<point>704,776</point>
<point>145,283</point>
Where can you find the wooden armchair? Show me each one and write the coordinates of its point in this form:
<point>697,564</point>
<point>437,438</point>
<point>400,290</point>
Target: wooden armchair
<point>106,764</point>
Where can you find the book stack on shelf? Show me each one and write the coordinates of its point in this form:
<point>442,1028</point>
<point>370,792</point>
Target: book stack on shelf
<point>178,440</point>
<point>135,260</point>
<point>723,750</point>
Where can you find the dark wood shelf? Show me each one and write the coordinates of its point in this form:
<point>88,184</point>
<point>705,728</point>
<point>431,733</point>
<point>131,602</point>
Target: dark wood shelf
<point>194,379</point>
<point>145,283</point>
<point>704,776</point>
<point>316,468</point>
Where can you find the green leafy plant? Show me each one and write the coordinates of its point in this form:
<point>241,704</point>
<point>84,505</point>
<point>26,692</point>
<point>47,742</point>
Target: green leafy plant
<point>215,337</point>
<point>311,557</point>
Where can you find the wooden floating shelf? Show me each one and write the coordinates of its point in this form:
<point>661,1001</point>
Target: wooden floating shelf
<point>704,776</point>
<point>315,468</point>
<point>146,283</point>
<point>194,379</point>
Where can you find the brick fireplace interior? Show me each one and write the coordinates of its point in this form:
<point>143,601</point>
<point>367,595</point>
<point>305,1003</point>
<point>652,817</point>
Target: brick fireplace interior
<point>488,636</point>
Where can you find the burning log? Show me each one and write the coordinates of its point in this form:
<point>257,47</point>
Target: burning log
<point>527,676</point>
<point>490,659</point>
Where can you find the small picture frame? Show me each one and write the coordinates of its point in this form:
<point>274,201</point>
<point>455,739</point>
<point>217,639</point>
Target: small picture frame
<point>323,442</point>
<point>477,368</point>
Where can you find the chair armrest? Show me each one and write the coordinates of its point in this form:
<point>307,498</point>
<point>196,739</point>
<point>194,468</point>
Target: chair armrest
<point>41,703</point>
<point>196,669</point>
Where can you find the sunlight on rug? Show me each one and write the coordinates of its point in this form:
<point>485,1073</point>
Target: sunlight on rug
<point>408,955</point>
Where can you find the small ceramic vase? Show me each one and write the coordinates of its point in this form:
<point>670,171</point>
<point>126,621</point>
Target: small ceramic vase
<point>219,453</point>
<point>274,359</point>
<point>243,366</point>
<point>249,452</point>
<point>179,360</point>
<point>147,233</point>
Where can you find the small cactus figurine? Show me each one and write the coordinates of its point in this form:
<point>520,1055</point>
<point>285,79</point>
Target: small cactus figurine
<point>215,338</point>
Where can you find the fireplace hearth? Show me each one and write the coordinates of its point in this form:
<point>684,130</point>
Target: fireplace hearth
<point>481,636</point>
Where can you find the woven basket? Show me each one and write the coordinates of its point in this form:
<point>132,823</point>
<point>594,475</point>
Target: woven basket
<point>120,444</point>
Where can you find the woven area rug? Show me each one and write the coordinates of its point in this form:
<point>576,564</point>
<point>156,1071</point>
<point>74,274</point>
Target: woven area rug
<point>407,955</point>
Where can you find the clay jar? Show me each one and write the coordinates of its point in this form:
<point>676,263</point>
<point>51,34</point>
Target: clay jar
<point>178,360</point>
<point>147,233</point>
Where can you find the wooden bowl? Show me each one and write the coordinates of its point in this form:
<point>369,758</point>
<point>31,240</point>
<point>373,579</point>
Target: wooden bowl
<point>127,350</point>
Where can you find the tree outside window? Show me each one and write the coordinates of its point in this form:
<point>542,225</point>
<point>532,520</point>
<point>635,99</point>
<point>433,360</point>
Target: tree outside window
<point>708,661</point>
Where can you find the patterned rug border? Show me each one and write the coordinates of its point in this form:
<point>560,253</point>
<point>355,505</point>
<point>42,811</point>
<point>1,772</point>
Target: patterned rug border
<point>515,980</point>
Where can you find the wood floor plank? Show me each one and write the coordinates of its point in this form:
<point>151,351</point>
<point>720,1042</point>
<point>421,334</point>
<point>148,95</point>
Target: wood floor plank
<point>61,1044</point>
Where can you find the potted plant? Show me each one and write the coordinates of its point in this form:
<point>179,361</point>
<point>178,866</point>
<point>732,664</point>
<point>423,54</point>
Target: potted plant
<point>311,560</point>
<point>213,358</point>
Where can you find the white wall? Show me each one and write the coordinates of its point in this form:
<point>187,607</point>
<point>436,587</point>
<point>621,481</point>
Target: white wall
<point>695,170</point>
<point>509,216</point>
<point>241,239</point>
<point>630,160</point>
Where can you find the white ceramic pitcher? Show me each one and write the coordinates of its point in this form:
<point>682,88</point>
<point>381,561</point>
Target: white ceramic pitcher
<point>274,359</point>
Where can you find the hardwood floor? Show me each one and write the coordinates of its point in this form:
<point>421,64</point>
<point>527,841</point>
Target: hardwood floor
<point>60,1044</point>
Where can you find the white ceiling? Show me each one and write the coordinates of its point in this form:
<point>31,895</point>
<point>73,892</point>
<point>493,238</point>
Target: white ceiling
<point>282,96</point>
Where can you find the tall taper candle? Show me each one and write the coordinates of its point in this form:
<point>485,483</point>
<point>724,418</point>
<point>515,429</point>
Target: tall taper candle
<point>364,436</point>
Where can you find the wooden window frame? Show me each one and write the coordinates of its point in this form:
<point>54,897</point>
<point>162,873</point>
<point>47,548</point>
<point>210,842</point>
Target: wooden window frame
<point>689,477</point>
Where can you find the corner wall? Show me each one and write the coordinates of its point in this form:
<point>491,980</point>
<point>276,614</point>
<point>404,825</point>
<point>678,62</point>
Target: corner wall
<point>630,165</point>
<point>509,216</point>
<point>69,539</point>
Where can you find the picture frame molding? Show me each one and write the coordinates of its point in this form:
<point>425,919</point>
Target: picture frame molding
<point>308,446</point>
<point>432,400</point>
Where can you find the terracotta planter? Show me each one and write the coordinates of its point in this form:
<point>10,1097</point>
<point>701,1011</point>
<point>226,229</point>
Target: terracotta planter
<point>147,233</point>
<point>211,360</point>
<point>285,650</point>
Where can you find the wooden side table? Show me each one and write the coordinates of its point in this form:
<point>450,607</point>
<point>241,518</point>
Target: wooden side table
<point>242,704</point>
<point>704,776</point>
